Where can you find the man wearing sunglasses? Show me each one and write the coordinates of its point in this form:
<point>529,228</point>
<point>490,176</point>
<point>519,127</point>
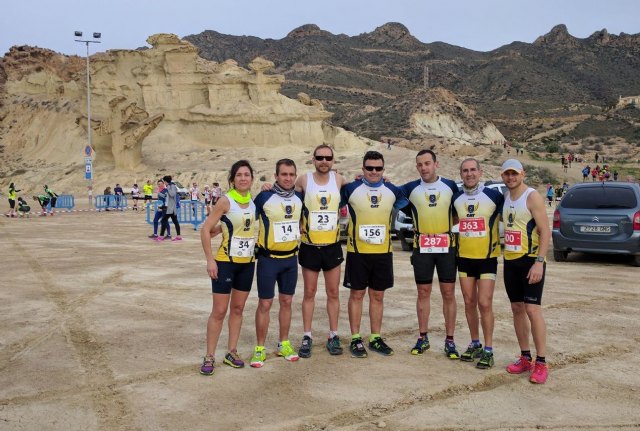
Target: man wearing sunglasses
<point>430,201</point>
<point>320,248</point>
<point>369,262</point>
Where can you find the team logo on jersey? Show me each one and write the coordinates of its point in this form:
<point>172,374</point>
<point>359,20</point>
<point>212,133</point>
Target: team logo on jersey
<point>288,209</point>
<point>511,217</point>
<point>324,201</point>
<point>247,222</point>
<point>472,208</point>
<point>433,199</point>
<point>374,198</point>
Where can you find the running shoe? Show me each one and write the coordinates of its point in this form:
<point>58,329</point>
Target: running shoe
<point>287,352</point>
<point>333,346</point>
<point>208,366</point>
<point>378,345</point>
<point>305,347</point>
<point>258,358</point>
<point>167,237</point>
<point>232,359</point>
<point>486,360</point>
<point>450,350</point>
<point>422,345</point>
<point>540,373</point>
<point>154,236</point>
<point>522,365</point>
<point>473,351</point>
<point>159,238</point>
<point>357,348</point>
<point>178,238</point>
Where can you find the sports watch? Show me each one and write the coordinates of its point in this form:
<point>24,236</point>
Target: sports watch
<point>539,258</point>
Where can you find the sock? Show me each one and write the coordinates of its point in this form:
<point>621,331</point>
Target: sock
<point>476,343</point>
<point>488,349</point>
<point>424,335</point>
<point>526,354</point>
<point>540,359</point>
<point>449,338</point>
<point>333,334</point>
<point>373,337</point>
<point>308,334</point>
<point>355,336</point>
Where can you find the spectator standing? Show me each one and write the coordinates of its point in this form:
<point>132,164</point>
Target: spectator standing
<point>596,157</point>
<point>119,193</point>
<point>216,192</point>
<point>12,200</point>
<point>615,175</point>
<point>170,194</point>
<point>585,173</point>
<point>147,189</point>
<point>207,199</point>
<point>52,196</point>
<point>549,193</point>
<point>135,196</point>
<point>107,198</point>
<point>194,191</point>
<point>157,217</point>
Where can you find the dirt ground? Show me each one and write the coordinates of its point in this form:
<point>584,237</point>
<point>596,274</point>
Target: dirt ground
<point>103,329</point>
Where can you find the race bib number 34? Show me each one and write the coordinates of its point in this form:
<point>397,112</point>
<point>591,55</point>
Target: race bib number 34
<point>473,227</point>
<point>242,247</point>
<point>372,233</point>
<point>324,221</point>
<point>285,231</point>
<point>437,243</point>
<point>512,240</point>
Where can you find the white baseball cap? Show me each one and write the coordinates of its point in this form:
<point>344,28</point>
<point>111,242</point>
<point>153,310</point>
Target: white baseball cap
<point>512,165</point>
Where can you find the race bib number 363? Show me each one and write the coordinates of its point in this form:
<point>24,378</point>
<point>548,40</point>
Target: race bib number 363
<point>473,227</point>
<point>512,240</point>
<point>437,243</point>
<point>372,233</point>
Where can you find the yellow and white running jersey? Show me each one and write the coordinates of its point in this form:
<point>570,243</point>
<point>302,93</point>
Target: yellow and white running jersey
<point>238,233</point>
<point>320,211</point>
<point>520,233</point>
<point>431,207</point>
<point>370,208</point>
<point>479,219</point>
<point>279,223</point>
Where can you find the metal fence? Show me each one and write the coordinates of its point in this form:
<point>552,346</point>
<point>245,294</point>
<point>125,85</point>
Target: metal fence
<point>188,213</point>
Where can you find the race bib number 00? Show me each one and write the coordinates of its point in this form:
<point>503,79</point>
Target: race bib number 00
<point>285,231</point>
<point>437,243</point>
<point>473,227</point>
<point>242,247</point>
<point>324,221</point>
<point>512,240</point>
<point>372,233</point>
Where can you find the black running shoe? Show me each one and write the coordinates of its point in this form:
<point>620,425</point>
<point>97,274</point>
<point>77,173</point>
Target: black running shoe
<point>305,348</point>
<point>378,345</point>
<point>357,348</point>
<point>333,346</point>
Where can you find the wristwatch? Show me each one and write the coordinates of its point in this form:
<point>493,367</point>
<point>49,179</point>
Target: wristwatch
<point>539,258</point>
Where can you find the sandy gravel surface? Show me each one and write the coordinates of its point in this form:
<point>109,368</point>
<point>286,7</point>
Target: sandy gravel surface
<point>103,329</point>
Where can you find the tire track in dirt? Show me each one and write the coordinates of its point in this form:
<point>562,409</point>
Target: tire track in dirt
<point>109,404</point>
<point>368,416</point>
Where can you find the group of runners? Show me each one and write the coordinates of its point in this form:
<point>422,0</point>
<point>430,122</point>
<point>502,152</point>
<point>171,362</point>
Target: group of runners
<point>298,224</point>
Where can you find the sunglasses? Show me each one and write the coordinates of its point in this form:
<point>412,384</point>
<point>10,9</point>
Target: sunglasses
<point>321,158</point>
<point>374,168</point>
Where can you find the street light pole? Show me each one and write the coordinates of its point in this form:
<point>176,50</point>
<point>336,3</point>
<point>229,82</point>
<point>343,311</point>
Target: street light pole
<point>89,148</point>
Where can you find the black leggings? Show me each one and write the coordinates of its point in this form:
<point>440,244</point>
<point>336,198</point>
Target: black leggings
<point>165,223</point>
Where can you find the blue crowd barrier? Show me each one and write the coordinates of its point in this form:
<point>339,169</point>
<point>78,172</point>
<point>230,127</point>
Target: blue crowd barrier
<point>65,202</point>
<point>186,213</point>
<point>109,202</point>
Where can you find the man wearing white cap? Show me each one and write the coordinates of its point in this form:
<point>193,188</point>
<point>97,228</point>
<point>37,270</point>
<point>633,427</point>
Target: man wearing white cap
<point>526,241</point>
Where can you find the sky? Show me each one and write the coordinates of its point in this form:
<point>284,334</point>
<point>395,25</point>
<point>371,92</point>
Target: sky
<point>482,25</point>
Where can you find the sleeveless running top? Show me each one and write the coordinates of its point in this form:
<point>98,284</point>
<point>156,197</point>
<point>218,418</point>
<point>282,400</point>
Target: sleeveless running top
<point>520,234</point>
<point>320,211</point>
<point>238,233</point>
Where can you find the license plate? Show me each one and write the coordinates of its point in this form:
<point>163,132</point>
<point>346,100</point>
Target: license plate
<point>595,229</point>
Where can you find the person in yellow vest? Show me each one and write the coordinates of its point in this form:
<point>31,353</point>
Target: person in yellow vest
<point>147,190</point>
<point>12,200</point>
<point>526,241</point>
<point>278,211</point>
<point>320,248</point>
<point>369,263</point>
<point>478,211</point>
<point>231,269</point>
<point>430,202</point>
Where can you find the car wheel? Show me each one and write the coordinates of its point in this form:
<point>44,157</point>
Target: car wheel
<point>560,256</point>
<point>636,260</point>
<point>406,245</point>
